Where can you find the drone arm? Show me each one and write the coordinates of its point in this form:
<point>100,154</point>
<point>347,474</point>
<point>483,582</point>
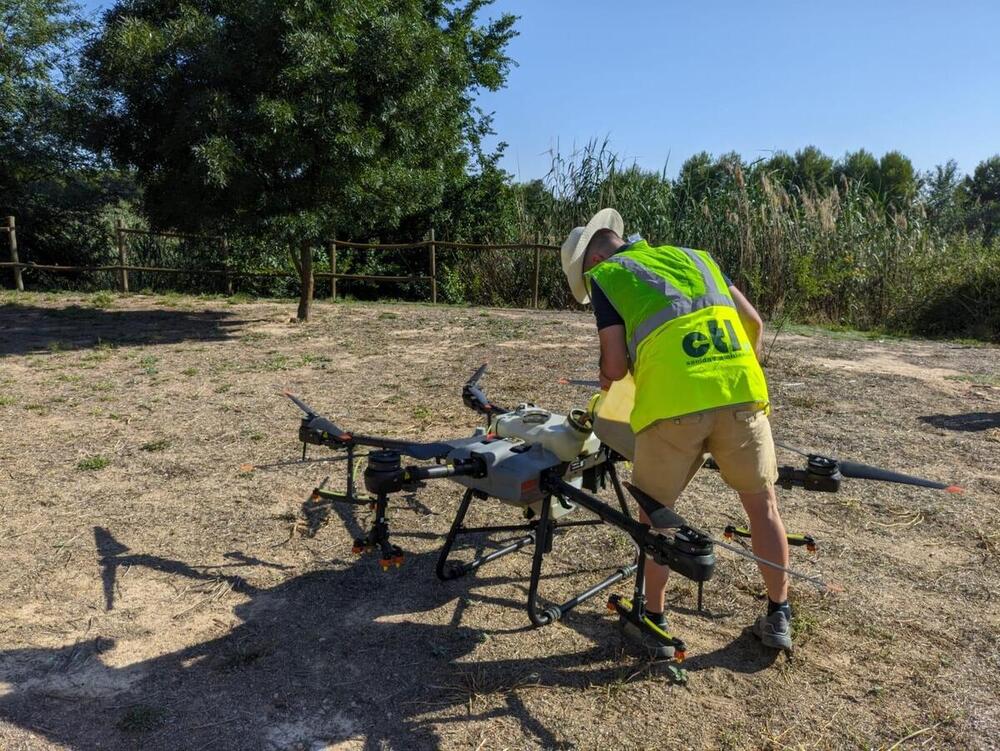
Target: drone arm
<point>660,548</point>
<point>816,477</point>
<point>461,468</point>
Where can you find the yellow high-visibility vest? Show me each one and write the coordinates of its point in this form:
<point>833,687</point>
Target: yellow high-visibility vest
<point>687,347</point>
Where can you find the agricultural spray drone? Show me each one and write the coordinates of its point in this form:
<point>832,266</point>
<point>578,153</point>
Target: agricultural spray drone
<point>549,465</point>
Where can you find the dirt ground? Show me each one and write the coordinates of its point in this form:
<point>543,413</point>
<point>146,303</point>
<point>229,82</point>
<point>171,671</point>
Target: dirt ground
<point>154,595</point>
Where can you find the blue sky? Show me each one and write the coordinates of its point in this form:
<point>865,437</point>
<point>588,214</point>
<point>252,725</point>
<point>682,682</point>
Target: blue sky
<point>664,79</point>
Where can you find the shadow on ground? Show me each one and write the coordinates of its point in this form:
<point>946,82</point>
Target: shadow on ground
<point>25,329</point>
<point>323,658</point>
<point>969,422</point>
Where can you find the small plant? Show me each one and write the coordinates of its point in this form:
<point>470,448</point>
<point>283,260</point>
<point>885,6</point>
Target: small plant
<point>421,412</point>
<point>92,463</point>
<point>320,360</point>
<point>157,445</point>
<point>6,400</point>
<point>170,300</point>
<point>56,346</point>
<point>101,299</point>
<point>388,316</point>
<point>148,364</point>
<point>276,362</point>
<point>190,372</point>
<point>222,388</point>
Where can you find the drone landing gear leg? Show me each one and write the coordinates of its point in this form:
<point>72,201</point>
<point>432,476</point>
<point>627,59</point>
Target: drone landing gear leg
<point>378,537</point>
<point>454,569</point>
<point>634,612</point>
<point>542,616</point>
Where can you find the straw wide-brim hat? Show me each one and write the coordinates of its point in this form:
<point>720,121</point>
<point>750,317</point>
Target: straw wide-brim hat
<point>576,245</point>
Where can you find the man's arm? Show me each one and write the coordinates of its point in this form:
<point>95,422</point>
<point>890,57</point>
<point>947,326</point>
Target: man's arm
<point>614,355</point>
<point>750,319</point>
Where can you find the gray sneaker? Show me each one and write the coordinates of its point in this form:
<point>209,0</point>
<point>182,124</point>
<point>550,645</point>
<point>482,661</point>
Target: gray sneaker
<point>774,630</point>
<point>653,647</point>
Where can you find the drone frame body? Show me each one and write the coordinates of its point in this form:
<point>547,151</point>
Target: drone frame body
<point>554,488</point>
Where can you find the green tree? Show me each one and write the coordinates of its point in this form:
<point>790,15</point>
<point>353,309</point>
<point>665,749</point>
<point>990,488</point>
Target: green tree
<point>860,167</point>
<point>813,169</point>
<point>307,118</point>
<point>701,176</point>
<point>944,197</point>
<point>983,191</point>
<point>897,180</point>
<point>36,66</point>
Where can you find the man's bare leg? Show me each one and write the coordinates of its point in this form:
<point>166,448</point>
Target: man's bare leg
<point>768,540</point>
<point>656,578</point>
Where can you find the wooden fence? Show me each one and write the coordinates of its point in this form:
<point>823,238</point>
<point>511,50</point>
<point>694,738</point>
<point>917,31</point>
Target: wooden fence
<point>122,268</point>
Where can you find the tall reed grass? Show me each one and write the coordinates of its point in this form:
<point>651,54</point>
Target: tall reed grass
<point>836,256</point>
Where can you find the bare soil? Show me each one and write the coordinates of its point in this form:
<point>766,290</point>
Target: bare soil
<point>154,595</point>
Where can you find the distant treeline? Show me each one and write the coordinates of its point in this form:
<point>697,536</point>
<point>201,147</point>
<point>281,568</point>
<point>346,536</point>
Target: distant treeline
<point>282,125</point>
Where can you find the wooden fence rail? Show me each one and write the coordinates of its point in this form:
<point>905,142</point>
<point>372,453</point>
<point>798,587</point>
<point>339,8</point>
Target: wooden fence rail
<point>123,267</point>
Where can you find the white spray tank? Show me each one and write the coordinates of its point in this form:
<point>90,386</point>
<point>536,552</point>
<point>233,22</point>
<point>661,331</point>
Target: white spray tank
<point>566,436</point>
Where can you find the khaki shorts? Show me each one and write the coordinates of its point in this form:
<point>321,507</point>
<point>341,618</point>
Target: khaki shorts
<point>670,452</point>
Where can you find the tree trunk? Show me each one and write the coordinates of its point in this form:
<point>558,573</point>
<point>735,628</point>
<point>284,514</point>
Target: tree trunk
<point>305,267</point>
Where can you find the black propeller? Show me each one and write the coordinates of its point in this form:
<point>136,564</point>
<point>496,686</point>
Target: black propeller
<point>860,471</point>
<point>578,382</point>
<point>475,399</point>
<point>313,421</point>
<point>660,517</point>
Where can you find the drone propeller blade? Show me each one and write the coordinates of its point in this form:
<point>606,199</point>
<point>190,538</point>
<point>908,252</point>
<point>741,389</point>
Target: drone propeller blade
<point>859,471</point>
<point>327,426</point>
<point>413,449</point>
<point>300,404</point>
<point>477,375</point>
<point>578,382</point>
<point>868,472</point>
<point>315,421</point>
<point>821,585</point>
<point>660,517</point>
<point>800,452</point>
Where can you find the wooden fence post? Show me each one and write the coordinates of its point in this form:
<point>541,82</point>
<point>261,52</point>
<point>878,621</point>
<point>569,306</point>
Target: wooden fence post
<point>225,266</point>
<point>332,252</point>
<point>12,239</point>
<point>120,235</point>
<point>538,265</point>
<point>434,281</point>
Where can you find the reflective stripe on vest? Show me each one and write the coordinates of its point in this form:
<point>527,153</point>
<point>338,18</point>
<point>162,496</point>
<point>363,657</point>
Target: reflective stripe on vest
<point>680,304</point>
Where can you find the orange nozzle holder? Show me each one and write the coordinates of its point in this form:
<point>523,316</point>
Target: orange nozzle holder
<point>954,489</point>
<point>357,549</point>
<point>811,547</point>
<point>611,606</point>
<point>315,496</point>
<point>679,655</point>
